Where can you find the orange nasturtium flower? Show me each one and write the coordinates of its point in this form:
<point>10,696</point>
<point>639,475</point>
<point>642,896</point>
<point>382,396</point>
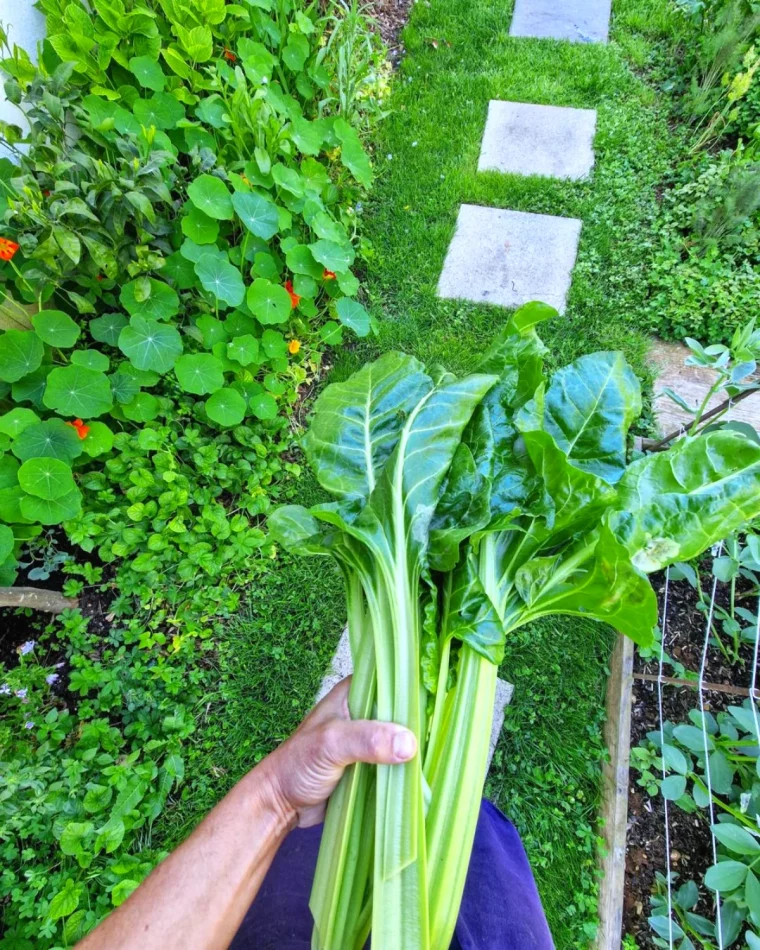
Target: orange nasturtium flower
<point>7,249</point>
<point>294,346</point>
<point>81,427</point>
<point>294,297</point>
<point>230,56</point>
<point>328,274</point>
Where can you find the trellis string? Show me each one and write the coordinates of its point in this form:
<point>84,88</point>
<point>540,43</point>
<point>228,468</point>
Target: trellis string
<point>700,684</point>
<point>664,629</point>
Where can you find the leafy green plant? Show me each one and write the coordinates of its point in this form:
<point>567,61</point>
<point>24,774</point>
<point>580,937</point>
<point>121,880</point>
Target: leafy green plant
<point>730,745</point>
<point>154,268</point>
<point>465,509</point>
<point>79,795</point>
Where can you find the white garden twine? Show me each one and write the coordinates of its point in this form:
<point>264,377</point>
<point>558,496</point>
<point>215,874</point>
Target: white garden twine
<point>664,629</point>
<point>708,628</point>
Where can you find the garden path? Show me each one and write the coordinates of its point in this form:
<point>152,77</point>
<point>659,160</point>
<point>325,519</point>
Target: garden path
<point>507,257</point>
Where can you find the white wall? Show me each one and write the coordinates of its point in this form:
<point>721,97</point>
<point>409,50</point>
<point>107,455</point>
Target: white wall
<point>25,27</point>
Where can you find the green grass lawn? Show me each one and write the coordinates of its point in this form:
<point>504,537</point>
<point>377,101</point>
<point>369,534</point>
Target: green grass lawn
<point>547,765</point>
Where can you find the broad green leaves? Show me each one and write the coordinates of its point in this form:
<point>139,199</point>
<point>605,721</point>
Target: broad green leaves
<point>677,503</point>
<point>46,478</point>
<point>49,439</point>
<point>221,279</point>
<point>226,407</point>
<point>20,353</point>
<point>210,195</point>
<point>56,328</point>
<point>588,410</point>
<point>150,345</point>
<point>356,424</point>
<point>200,373</point>
<point>147,297</point>
<point>268,302</point>
<point>78,392</point>
<point>257,213</point>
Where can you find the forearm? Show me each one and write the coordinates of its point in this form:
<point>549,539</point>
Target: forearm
<point>198,896</point>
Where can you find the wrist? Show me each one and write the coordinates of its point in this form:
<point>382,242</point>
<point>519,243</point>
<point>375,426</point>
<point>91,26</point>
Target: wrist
<point>266,792</point>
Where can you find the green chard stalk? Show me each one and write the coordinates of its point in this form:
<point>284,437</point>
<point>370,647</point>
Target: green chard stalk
<point>466,508</point>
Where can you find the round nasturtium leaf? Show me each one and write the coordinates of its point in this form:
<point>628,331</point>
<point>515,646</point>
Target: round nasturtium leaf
<point>21,352</point>
<point>257,213</point>
<point>199,373</point>
<point>352,315</point>
<point>78,392</point>
<point>143,408</point>
<point>211,196</point>
<point>7,542</point>
<point>8,469</point>
<point>212,330</point>
<point>162,110</point>
<point>274,344</point>
<point>221,278</point>
<point>56,328</point>
<point>46,478</point>
<point>268,302</point>
<point>123,386</point>
<point>179,270</point>
<point>147,72</point>
<point>92,359</point>
<point>335,257</point>
<point>106,329</point>
<point>263,406</point>
<point>150,345</point>
<point>50,511</point>
<point>226,407</point>
<point>98,440</point>
<point>199,227</point>
<point>50,439</point>
<point>243,349</point>
<point>32,387</point>
<point>14,422</point>
<point>148,297</point>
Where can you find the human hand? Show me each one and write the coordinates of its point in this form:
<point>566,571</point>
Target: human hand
<point>303,772</point>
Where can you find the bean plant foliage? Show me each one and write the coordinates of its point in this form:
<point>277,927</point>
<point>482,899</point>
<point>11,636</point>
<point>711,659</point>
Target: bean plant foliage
<point>185,243</point>
<point>464,509</point>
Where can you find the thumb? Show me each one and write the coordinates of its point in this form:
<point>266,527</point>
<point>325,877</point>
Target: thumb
<point>367,740</point>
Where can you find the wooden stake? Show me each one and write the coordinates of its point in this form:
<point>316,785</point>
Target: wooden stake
<point>49,601</point>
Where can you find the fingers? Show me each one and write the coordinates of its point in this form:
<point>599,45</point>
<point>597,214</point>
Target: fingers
<point>334,704</point>
<point>365,740</point>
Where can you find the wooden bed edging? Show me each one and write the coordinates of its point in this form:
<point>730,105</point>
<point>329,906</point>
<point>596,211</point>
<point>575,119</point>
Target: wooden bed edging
<point>614,813</point>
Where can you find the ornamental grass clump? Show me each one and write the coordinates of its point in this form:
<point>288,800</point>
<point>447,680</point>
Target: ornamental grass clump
<point>464,509</point>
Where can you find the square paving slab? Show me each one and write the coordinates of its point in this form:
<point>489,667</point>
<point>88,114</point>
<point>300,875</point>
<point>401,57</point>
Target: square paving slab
<point>509,258</point>
<point>692,383</point>
<point>528,139</point>
<point>579,21</point>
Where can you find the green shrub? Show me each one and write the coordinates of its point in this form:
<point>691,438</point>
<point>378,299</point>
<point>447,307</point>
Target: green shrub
<point>185,239</point>
<point>704,278</point>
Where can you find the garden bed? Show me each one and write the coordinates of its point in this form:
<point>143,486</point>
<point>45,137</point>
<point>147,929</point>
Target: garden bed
<point>690,842</point>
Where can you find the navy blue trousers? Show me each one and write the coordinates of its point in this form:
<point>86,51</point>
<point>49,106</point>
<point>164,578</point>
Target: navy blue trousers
<point>501,909</point>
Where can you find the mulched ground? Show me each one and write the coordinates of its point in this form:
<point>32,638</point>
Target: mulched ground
<point>390,17</point>
<point>690,846</point>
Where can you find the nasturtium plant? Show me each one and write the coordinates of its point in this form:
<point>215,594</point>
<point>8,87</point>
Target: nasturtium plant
<point>463,509</point>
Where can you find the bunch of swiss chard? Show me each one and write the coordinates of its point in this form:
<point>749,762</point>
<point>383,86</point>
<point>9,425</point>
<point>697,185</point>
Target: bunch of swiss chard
<point>464,509</point>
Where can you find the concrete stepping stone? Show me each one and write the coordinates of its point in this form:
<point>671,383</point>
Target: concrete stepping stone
<point>527,139</point>
<point>579,21</point>
<point>509,258</point>
<point>692,383</point>
<point>341,666</point>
